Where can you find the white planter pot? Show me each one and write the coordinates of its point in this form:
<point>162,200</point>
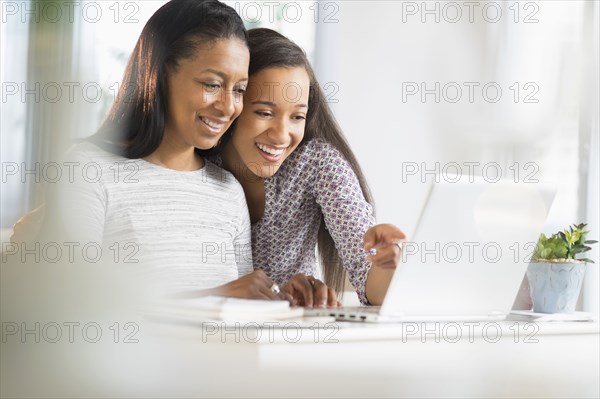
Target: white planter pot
<point>555,286</point>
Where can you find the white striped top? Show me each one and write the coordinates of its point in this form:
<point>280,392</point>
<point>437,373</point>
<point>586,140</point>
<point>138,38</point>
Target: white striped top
<point>190,230</point>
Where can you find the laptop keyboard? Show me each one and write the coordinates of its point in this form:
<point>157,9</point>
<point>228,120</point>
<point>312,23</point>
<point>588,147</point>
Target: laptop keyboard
<point>359,309</point>
<point>345,310</point>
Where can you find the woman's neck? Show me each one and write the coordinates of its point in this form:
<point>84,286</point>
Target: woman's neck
<point>253,185</point>
<point>177,157</point>
<point>233,163</point>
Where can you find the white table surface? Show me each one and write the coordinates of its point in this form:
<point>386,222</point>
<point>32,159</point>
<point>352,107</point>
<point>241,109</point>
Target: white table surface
<point>485,359</point>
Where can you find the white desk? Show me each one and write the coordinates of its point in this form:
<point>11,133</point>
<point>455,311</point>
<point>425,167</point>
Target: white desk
<point>506,360</point>
<point>558,360</point>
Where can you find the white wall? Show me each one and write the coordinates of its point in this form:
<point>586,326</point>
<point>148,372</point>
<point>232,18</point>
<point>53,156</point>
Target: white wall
<point>376,48</point>
<point>374,53</point>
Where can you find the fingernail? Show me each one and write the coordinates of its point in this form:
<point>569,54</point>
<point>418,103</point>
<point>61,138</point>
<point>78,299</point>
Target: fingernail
<point>372,251</point>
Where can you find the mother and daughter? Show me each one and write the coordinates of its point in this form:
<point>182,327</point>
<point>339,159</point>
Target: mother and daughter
<point>201,94</point>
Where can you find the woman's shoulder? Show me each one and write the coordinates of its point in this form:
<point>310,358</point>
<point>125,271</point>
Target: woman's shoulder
<point>215,171</point>
<point>88,151</point>
<point>316,146</point>
<point>221,177</point>
<point>314,152</point>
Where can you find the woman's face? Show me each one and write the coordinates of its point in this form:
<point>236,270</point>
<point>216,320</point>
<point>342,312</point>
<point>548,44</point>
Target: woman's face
<point>272,124</point>
<point>205,93</point>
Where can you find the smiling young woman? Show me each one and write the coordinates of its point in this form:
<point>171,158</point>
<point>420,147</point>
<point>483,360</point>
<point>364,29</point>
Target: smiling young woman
<point>268,132</point>
<point>273,125</point>
<point>303,185</point>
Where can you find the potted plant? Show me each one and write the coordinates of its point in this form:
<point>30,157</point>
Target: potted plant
<point>556,273</point>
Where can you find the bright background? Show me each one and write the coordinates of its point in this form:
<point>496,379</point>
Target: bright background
<point>370,57</point>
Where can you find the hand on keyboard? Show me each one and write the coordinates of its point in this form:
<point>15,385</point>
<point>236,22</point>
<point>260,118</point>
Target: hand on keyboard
<point>309,291</point>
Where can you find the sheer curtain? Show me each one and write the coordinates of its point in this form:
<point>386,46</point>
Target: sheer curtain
<point>46,68</point>
<point>13,47</point>
<point>61,66</point>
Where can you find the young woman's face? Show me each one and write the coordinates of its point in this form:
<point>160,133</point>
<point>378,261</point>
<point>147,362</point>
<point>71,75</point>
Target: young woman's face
<point>205,93</point>
<point>272,123</point>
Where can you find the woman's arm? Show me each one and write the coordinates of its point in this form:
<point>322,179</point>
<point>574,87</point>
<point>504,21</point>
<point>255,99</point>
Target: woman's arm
<point>242,242</point>
<point>387,240</point>
<point>250,284</point>
<point>255,285</point>
<point>79,205</point>
<point>348,216</point>
<point>74,209</point>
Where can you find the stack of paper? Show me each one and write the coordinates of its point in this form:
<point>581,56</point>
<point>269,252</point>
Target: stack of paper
<point>524,315</point>
<point>226,309</point>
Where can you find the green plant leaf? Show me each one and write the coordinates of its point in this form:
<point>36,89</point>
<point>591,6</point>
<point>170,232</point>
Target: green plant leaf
<point>560,252</point>
<point>565,244</point>
<point>545,253</point>
<point>587,260</point>
<point>574,237</point>
<point>578,246</point>
<point>585,233</point>
<point>578,251</point>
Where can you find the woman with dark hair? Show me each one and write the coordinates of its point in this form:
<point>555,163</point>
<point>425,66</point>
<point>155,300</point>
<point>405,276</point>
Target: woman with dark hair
<point>318,195</point>
<point>153,197</point>
<point>302,182</point>
<point>161,81</point>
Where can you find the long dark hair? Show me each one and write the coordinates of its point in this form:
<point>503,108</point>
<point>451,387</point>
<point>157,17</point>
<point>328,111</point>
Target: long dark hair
<point>269,49</point>
<point>135,125</point>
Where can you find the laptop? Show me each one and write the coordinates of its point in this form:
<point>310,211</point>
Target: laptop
<point>468,254</point>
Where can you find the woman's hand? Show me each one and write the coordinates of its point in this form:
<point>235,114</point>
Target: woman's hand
<point>255,285</point>
<point>386,240</point>
<point>28,226</point>
<point>308,291</point>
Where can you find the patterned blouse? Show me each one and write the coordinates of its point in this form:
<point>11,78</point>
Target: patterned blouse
<point>314,180</point>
